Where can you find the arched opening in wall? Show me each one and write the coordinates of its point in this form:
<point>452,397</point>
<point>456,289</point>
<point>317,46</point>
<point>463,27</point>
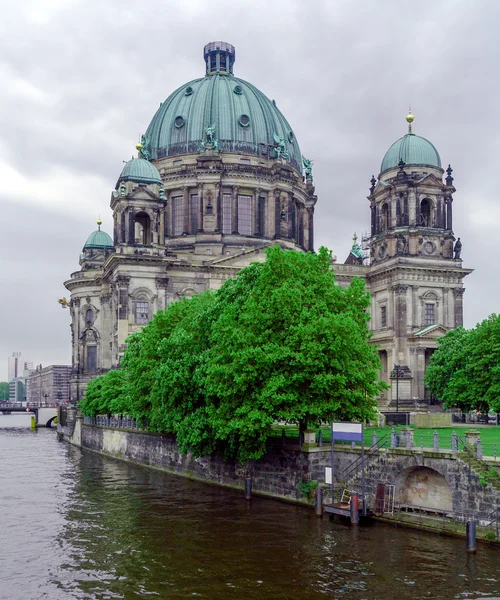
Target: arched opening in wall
<point>142,228</point>
<point>384,218</point>
<point>425,212</point>
<point>424,488</point>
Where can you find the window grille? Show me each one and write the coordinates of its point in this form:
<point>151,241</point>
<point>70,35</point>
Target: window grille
<point>177,215</point>
<point>245,215</point>
<point>429,314</point>
<point>226,213</point>
<point>141,312</point>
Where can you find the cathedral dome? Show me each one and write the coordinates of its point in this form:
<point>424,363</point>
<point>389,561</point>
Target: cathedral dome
<point>412,150</point>
<point>139,170</point>
<point>245,121</point>
<point>99,240</point>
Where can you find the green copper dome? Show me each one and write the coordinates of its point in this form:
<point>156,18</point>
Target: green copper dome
<point>241,118</point>
<point>99,240</point>
<point>139,170</point>
<point>412,150</point>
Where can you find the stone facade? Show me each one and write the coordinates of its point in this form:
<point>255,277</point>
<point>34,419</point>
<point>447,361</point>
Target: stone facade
<point>188,216</point>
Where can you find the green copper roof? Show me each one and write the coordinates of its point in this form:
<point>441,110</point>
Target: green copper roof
<point>246,121</point>
<point>139,170</point>
<point>412,150</point>
<point>100,240</point>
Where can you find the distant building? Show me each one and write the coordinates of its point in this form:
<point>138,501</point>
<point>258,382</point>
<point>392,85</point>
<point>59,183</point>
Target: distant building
<point>48,385</point>
<point>19,370</point>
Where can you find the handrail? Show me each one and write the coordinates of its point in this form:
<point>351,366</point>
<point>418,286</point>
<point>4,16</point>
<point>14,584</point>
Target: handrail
<point>373,449</point>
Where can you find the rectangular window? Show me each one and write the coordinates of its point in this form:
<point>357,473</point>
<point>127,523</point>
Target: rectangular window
<point>194,209</point>
<point>383,316</point>
<point>227,200</point>
<point>429,314</point>
<point>141,312</point>
<point>245,215</point>
<point>177,215</point>
<point>91,359</point>
<point>261,220</point>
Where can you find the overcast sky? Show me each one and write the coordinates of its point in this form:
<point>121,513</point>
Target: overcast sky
<point>81,81</point>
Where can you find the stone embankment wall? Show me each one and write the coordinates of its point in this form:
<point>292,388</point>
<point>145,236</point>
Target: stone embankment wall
<point>436,480</point>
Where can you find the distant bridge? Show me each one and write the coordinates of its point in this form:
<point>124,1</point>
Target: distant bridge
<point>44,415</point>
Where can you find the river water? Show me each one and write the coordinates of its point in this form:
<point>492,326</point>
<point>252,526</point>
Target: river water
<point>74,524</point>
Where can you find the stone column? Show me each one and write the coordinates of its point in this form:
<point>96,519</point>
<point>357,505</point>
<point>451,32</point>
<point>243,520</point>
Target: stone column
<point>200,207</point>
<point>419,374</point>
<point>412,207</point>
<point>185,208</point>
<point>311,228</point>
<point>218,209</point>
<point>170,215</point>
<point>373,212</point>
<point>161,231</point>
<point>400,317</point>
<point>459,306</point>
<point>277,213</point>
<point>449,212</point>
<point>234,210</point>
<point>414,306</point>
<point>255,212</point>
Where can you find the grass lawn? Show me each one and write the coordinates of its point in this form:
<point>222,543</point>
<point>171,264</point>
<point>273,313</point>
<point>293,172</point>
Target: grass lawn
<point>490,436</point>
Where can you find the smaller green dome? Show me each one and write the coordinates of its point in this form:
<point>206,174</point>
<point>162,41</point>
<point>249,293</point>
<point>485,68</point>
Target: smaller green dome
<point>99,240</point>
<point>412,150</point>
<point>139,170</point>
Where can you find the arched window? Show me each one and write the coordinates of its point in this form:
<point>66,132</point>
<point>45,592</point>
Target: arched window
<point>142,228</point>
<point>89,316</point>
<point>384,218</point>
<point>142,311</point>
<point>425,212</point>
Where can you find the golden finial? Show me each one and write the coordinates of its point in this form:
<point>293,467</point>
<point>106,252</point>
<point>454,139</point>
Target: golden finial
<point>139,146</point>
<point>99,223</point>
<point>409,119</point>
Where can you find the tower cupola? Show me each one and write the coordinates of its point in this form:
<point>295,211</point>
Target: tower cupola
<point>219,58</point>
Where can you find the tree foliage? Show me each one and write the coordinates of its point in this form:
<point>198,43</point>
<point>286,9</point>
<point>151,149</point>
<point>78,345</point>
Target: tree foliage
<point>465,369</point>
<point>281,342</point>
<point>4,390</point>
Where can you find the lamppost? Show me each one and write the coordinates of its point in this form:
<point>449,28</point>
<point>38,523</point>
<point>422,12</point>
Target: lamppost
<point>398,372</point>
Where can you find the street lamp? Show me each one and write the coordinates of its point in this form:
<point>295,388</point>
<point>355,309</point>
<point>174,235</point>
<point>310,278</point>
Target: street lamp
<point>398,371</point>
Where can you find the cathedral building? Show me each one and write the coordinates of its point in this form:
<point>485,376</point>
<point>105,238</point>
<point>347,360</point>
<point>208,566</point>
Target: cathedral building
<point>218,178</point>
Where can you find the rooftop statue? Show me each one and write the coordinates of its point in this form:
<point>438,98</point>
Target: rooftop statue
<point>280,147</point>
<point>457,249</point>
<point>308,168</point>
<point>211,143</point>
<point>144,148</point>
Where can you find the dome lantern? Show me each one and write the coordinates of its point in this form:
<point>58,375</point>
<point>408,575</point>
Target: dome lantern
<point>219,58</point>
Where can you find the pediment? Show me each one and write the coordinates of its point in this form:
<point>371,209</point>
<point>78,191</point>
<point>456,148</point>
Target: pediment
<point>242,258</point>
<point>431,331</point>
<point>431,179</point>
<point>142,194</point>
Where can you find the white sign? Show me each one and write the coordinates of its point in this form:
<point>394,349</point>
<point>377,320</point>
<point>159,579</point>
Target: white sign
<point>328,475</point>
<point>347,427</point>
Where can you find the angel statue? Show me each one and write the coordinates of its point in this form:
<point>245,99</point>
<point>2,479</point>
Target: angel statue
<point>308,167</point>
<point>280,147</point>
<point>144,148</point>
<point>211,142</point>
<point>63,302</point>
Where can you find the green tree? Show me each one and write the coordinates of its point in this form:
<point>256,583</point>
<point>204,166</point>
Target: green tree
<point>4,390</point>
<point>293,347</point>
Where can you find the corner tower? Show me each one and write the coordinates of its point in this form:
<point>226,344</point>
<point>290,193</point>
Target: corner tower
<point>416,271</point>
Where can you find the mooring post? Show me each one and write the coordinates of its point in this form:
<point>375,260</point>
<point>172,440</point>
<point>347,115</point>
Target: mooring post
<point>248,488</point>
<point>479,449</point>
<point>354,508</point>
<point>393,438</point>
<point>471,536</point>
<point>436,441</point>
<point>319,501</point>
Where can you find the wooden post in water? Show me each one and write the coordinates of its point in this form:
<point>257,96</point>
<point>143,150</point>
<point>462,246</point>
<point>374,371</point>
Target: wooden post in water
<point>355,508</point>
<point>319,501</point>
<point>248,488</point>
<point>471,536</point>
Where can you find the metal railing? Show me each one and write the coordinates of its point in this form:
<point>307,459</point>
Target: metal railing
<point>361,461</point>
<point>116,421</point>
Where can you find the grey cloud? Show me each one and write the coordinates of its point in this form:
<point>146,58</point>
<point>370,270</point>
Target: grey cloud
<point>342,73</point>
